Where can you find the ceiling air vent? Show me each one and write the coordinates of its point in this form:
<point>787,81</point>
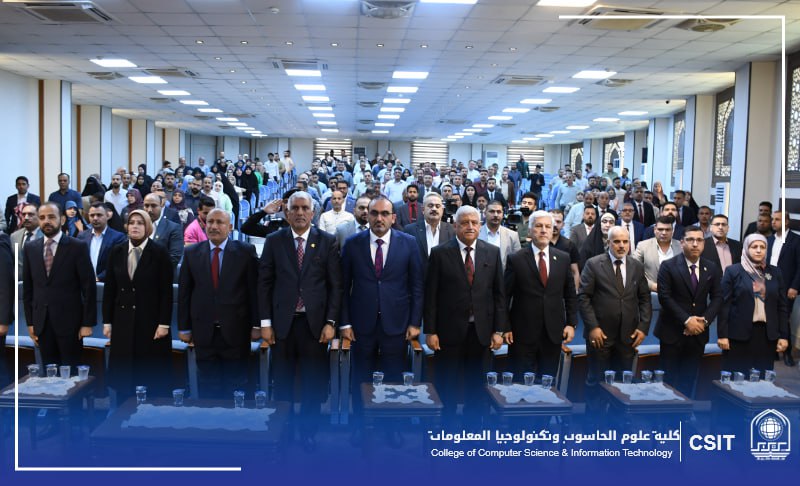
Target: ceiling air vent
<point>224,127</point>
<point>305,64</point>
<point>603,18</point>
<point>518,80</point>
<point>202,117</point>
<point>369,104</point>
<point>614,82</point>
<point>240,115</point>
<point>171,72</point>
<point>546,109</point>
<point>453,122</point>
<point>506,125</point>
<point>483,134</point>
<point>105,76</point>
<point>163,100</point>
<point>387,9</point>
<point>363,130</point>
<point>58,12</point>
<point>371,85</point>
<point>366,122</point>
<point>706,25</point>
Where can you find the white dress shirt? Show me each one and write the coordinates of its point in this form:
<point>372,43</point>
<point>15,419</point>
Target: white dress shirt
<point>546,251</point>
<point>56,239</point>
<point>373,246</point>
<point>777,245</point>
<point>431,237</point>
<point>94,247</point>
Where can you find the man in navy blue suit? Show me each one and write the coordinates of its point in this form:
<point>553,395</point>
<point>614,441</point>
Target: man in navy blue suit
<point>382,305</point>
<point>635,228</point>
<point>100,238</point>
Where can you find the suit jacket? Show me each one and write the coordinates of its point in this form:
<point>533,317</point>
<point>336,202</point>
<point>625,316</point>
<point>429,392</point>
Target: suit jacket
<point>11,203</point>
<point>578,234</point>
<point>7,285</point>
<point>170,235</point>
<point>345,231</point>
<point>647,253</point>
<point>678,302</point>
<point>789,259</point>
<point>449,296</point>
<point>649,213</point>
<point>403,216</point>
<point>110,239</point>
<point>319,281</point>
<point>688,216</point>
<point>67,297</point>
<point>423,191</point>
<point>498,196</point>
<point>532,304</point>
<point>397,295</point>
<point>736,316</point>
<point>637,230</point>
<point>234,304</point>
<point>710,252</point>
<point>172,215</point>
<point>417,230</point>
<point>602,305</point>
<point>509,241</point>
<point>537,182</point>
<point>16,239</point>
<point>677,233</point>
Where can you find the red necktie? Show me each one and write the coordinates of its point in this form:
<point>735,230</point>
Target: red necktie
<point>542,269</point>
<point>469,266</point>
<point>379,258</point>
<point>641,214</point>
<point>412,208</point>
<point>300,254</point>
<point>215,268</point>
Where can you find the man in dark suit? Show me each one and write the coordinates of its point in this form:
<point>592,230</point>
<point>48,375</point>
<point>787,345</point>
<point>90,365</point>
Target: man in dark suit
<point>430,231</point>
<point>579,233</point>
<point>382,305</point>
<point>465,313</point>
<point>719,249</point>
<point>542,301</point>
<point>635,229</point>
<point>410,211</point>
<point>764,209</point>
<point>100,238</point>
<point>218,306</point>
<point>537,180</point>
<point>495,194</point>
<point>668,209</point>
<point>783,251</point>
<point>615,305</point>
<point>643,210</point>
<point>165,232</point>
<point>7,298</point>
<point>14,200</point>
<point>300,289</point>
<point>359,223</point>
<point>686,216</point>
<point>690,295</point>
<point>59,290</point>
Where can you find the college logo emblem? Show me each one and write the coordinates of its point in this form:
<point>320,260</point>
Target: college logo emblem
<point>770,436</point>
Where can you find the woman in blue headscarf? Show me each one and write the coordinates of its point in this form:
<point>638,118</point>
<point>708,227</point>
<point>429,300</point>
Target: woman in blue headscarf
<point>74,223</point>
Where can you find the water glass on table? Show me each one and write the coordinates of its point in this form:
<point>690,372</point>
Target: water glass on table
<point>261,399</point>
<point>609,376</point>
<point>508,378</point>
<point>529,378</point>
<point>141,394</point>
<point>658,376</point>
<point>547,381</point>
<point>238,399</point>
<point>52,370</point>
<point>377,378</point>
<point>83,372</point>
<point>64,371</point>
<point>627,377</point>
<point>491,378</point>
<point>34,371</point>
<point>177,397</point>
<point>408,378</point>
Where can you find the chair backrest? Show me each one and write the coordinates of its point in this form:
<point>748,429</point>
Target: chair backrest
<point>648,358</point>
<point>244,209</point>
<point>573,367</point>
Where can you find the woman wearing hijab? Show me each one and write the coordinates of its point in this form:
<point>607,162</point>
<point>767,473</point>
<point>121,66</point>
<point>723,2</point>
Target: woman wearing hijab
<point>249,182</point>
<point>142,171</point>
<point>753,323</point>
<point>137,309</point>
<point>224,200</point>
<point>141,185</point>
<point>135,201</point>
<point>92,186</point>
<point>596,242</point>
<point>74,223</point>
<point>115,220</point>
<point>178,203</point>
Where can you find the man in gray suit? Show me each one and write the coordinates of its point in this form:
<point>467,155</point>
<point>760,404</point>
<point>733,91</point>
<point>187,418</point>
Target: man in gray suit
<point>429,230</point>
<point>615,305</point>
<point>28,231</point>
<point>580,232</point>
<point>360,223</point>
<point>165,232</point>
<point>651,253</point>
<point>495,233</point>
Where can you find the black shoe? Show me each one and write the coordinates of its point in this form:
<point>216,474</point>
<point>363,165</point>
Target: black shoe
<point>309,443</point>
<point>788,360</point>
<point>394,439</point>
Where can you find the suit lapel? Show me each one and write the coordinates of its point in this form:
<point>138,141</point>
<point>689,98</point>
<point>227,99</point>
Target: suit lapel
<point>59,257</point>
<point>230,251</point>
<point>205,258</point>
<point>423,236</point>
<point>609,268</point>
<point>291,251</point>
<point>533,263</point>
<point>683,270</point>
<point>311,250</point>
<point>455,255</point>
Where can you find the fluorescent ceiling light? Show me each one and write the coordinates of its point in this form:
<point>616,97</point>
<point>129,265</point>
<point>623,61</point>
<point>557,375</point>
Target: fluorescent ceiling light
<point>381,124</point>
<point>323,139</point>
<point>244,128</point>
<point>530,139</point>
<point>455,2</point>
<point>536,101</point>
<point>326,122</point>
<point>114,63</point>
<point>463,134</point>
<point>409,74</point>
<point>194,102</point>
<point>309,87</point>
<point>500,118</point>
<point>606,119</point>
<point>380,131</point>
<point>632,113</point>
<point>577,127</point>
<point>560,89</point>
<point>516,110</point>
<point>323,115</point>
<point>237,124</point>
<point>227,119</point>
<point>173,92</point>
<point>545,135</point>
<point>594,74</point>
<point>304,72</point>
<point>565,3</point>
<point>482,125</point>
<point>397,101</point>
<point>559,132</point>
<point>445,139</point>
<point>320,108</point>
<point>519,141</point>
<point>330,130</point>
<point>209,110</point>
<point>147,79</point>
<point>389,117</point>
<point>392,109</point>
<point>316,99</point>
<point>472,130</point>
<point>402,89</point>
<point>456,136</point>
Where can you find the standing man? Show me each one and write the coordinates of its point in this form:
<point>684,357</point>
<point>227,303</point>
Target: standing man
<point>300,286</point>
<point>329,220</point>
<point>218,306</point>
<point>64,193</point>
<point>615,306</point>
<point>719,249</point>
<point>465,314</point>
<point>429,230</point>
<point>7,297</point>
<point>100,238</point>
<point>58,290</point>
<point>686,215</point>
<point>783,251</point>
<point>668,209</point>
<point>565,244</point>
<point>394,188</point>
<point>359,222</point>
<point>196,230</point>
<point>537,182</point>
<point>115,196</point>
<point>527,206</point>
<point>542,301</point>
<point>493,232</point>
<point>165,232</point>
<point>580,232</point>
<point>28,231</point>
<point>634,228</point>
<point>410,211</point>
<point>655,251</point>
<point>690,293</point>
<point>643,210</point>
<point>14,202</point>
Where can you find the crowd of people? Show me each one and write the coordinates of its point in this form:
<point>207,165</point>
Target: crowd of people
<point>469,256</point>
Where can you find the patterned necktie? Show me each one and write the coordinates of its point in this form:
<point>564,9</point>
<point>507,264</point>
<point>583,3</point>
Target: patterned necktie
<point>413,210</point>
<point>542,269</point>
<point>620,283</point>
<point>48,256</point>
<point>693,267</point>
<point>133,260</point>
<point>678,218</point>
<point>379,258</point>
<point>215,268</point>
<point>630,238</point>
<point>300,254</point>
<point>641,214</point>
<point>26,238</point>
<point>469,266</point>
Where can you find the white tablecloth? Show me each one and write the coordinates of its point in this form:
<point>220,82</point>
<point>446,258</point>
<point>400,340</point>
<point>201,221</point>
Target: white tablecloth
<point>532,394</point>
<point>760,389</point>
<point>656,392</point>
<point>401,394</point>
<point>57,387</point>
<point>214,418</point>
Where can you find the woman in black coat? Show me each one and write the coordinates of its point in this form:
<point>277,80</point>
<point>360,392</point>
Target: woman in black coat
<point>137,312</point>
<point>753,323</point>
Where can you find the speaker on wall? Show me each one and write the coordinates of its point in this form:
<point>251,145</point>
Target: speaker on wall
<point>644,155</point>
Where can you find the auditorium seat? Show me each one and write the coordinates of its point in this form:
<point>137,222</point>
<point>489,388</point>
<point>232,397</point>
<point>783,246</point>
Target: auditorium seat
<point>28,354</point>
<point>571,378</point>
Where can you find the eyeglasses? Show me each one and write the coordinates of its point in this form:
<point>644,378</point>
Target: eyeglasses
<point>692,241</point>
